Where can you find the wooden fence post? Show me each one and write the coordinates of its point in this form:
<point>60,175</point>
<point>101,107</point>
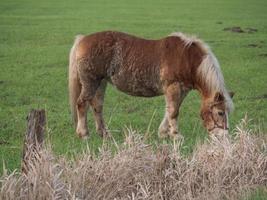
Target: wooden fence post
<point>34,137</point>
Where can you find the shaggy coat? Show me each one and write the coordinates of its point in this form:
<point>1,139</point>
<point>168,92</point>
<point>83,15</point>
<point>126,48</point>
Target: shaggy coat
<point>171,66</point>
<point>138,66</point>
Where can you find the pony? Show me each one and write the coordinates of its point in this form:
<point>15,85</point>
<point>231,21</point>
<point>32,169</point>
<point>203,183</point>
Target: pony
<point>171,66</point>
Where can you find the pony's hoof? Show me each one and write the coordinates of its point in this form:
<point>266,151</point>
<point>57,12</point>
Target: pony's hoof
<point>163,133</point>
<point>84,137</point>
<point>104,134</point>
<point>176,136</point>
<point>82,134</point>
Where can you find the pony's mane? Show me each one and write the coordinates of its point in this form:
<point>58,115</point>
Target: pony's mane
<point>188,40</point>
<point>209,70</point>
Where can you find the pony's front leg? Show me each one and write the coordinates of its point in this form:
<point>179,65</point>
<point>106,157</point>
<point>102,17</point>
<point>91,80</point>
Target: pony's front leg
<point>164,126</point>
<point>174,95</point>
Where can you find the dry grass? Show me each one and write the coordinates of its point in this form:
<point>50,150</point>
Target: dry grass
<point>217,169</point>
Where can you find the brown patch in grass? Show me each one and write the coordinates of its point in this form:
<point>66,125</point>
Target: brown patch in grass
<point>225,168</point>
<point>238,29</point>
<point>254,45</point>
<point>131,109</point>
<point>251,30</point>
<point>263,54</point>
<point>235,29</point>
<point>3,142</point>
<point>264,96</point>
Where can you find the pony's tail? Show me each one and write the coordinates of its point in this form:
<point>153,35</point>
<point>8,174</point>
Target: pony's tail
<point>74,82</point>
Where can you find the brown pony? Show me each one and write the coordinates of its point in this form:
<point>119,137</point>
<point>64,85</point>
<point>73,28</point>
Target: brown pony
<point>171,66</point>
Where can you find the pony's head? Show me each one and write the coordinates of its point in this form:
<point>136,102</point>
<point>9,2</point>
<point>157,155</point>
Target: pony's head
<point>215,112</point>
<point>216,100</point>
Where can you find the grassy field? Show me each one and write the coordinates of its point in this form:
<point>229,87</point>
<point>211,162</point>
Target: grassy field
<point>36,36</point>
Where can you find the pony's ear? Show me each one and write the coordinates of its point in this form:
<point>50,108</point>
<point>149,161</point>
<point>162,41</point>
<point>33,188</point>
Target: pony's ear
<point>218,97</point>
<point>231,94</point>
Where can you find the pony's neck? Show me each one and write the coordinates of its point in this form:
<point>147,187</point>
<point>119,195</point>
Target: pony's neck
<point>203,89</point>
<point>205,94</point>
<point>205,73</point>
<point>210,81</point>
<point>209,78</point>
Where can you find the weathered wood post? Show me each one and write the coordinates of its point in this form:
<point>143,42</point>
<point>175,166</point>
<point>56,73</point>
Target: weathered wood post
<point>34,137</point>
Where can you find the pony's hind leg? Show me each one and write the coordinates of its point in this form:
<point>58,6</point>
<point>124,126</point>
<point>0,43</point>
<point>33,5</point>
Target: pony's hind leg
<point>97,107</point>
<point>82,129</point>
<point>88,91</point>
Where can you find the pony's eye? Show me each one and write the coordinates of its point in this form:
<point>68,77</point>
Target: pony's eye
<point>221,113</point>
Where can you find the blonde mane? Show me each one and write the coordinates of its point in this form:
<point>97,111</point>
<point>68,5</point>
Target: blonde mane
<point>209,70</point>
<point>188,40</point>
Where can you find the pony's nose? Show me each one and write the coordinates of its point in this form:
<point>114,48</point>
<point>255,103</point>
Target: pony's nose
<point>219,133</point>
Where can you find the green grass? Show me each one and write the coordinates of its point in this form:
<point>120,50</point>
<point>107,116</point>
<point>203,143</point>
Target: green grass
<point>258,194</point>
<point>36,36</point>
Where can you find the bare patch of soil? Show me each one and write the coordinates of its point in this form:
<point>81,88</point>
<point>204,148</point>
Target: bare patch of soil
<point>252,98</point>
<point>263,54</point>
<point>234,29</point>
<point>254,46</point>
<point>3,142</point>
<point>238,29</point>
<point>264,96</point>
<point>251,30</point>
